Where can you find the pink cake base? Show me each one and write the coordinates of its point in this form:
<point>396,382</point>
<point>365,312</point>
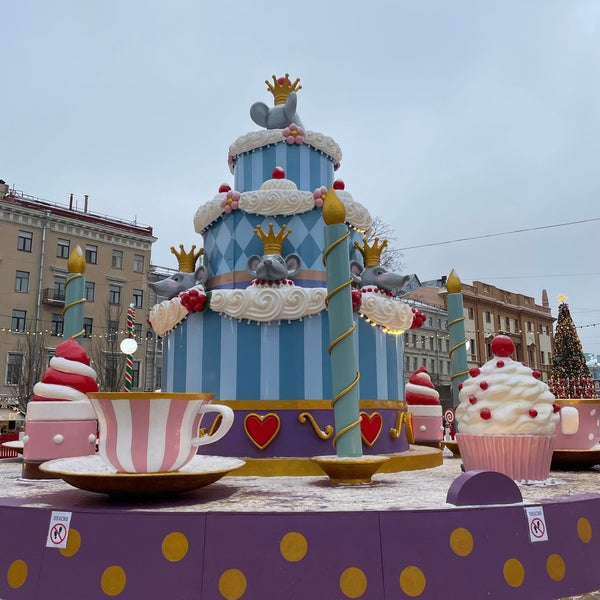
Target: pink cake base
<point>524,458</point>
<point>427,429</point>
<point>42,440</point>
<point>588,434</point>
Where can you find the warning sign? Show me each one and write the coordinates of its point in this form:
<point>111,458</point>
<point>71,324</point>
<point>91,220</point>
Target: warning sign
<point>58,531</point>
<point>536,523</point>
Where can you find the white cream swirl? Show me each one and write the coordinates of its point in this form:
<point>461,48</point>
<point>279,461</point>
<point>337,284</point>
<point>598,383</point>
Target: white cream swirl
<point>392,314</point>
<point>166,315</point>
<point>264,304</point>
<point>356,214</point>
<point>272,202</point>
<point>278,184</point>
<point>503,397</point>
<point>208,213</point>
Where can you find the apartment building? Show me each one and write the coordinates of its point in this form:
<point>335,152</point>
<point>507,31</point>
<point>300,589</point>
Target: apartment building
<point>37,240</point>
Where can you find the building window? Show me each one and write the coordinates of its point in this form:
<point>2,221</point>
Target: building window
<point>113,331</point>
<point>114,294</point>
<point>529,326</point>
<point>137,331</point>
<point>22,281</point>
<point>439,344</point>
<point>59,287</point>
<point>14,368</point>
<point>62,248</point>
<point>57,324</point>
<point>488,316</point>
<point>25,241</point>
<point>117,259</point>
<point>135,375</point>
<point>138,263</point>
<point>111,370</point>
<point>414,340</point>
<point>90,291</point>
<point>88,324</point>
<point>470,312</point>
<point>91,254</point>
<point>18,320</point>
<point>138,298</point>
<point>415,363</point>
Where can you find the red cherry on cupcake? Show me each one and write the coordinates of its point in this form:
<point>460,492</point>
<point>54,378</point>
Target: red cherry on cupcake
<point>533,413</point>
<point>485,414</point>
<point>473,399</point>
<point>537,374</point>
<point>474,371</point>
<point>338,184</point>
<point>502,345</point>
<point>278,173</point>
<point>224,188</point>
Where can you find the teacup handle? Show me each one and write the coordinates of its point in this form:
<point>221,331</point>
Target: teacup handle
<point>225,425</point>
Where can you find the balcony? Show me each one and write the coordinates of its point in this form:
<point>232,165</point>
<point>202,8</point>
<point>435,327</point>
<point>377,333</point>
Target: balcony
<point>53,297</point>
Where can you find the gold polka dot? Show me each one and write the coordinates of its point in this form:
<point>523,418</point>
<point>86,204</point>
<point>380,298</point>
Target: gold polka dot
<point>175,546</point>
<point>555,565</point>
<point>232,584</point>
<point>514,573</point>
<point>461,541</point>
<point>293,546</point>
<point>73,543</point>
<point>113,580</point>
<point>584,530</point>
<point>17,574</point>
<point>412,581</point>
<point>353,582</point>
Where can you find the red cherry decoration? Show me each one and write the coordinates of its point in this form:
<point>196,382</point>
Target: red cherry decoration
<point>460,386</point>
<point>555,408</point>
<point>537,374</point>
<point>484,385</point>
<point>224,188</point>
<point>533,413</point>
<point>485,414</point>
<point>474,371</point>
<point>338,184</point>
<point>473,399</point>
<point>500,364</point>
<point>278,173</point>
<point>356,299</point>
<point>283,80</point>
<point>502,345</point>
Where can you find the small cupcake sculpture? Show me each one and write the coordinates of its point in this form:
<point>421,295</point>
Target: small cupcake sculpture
<point>506,418</point>
<point>423,402</point>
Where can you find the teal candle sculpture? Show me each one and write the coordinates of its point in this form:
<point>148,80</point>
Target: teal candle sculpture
<point>456,327</point>
<point>74,296</point>
<point>345,375</point>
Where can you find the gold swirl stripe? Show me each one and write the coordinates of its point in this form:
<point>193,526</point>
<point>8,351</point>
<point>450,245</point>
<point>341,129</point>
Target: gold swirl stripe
<point>454,348</point>
<point>72,304</point>
<point>339,288</point>
<point>453,377</point>
<point>72,277</point>
<point>341,337</point>
<point>340,433</point>
<point>334,245</point>
<point>450,323</point>
<point>78,334</point>
<point>347,389</point>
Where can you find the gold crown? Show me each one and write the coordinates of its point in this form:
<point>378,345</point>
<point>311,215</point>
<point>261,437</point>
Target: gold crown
<point>187,260</point>
<point>282,88</point>
<point>371,254</point>
<point>272,243</point>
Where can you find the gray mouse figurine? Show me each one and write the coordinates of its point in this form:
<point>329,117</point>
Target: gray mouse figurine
<point>284,112</point>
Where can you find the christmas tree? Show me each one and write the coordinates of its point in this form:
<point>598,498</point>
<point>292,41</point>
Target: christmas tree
<point>570,376</point>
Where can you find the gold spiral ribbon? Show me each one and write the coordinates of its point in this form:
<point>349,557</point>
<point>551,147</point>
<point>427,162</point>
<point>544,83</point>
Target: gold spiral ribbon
<point>356,423</point>
<point>334,245</point>
<point>323,434</point>
<point>455,348</point>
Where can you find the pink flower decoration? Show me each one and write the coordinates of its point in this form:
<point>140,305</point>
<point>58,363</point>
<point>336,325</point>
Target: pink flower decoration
<point>293,134</point>
<point>231,201</point>
<point>319,195</point>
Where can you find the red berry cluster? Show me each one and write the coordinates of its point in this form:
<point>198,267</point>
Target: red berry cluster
<point>356,299</point>
<point>194,300</point>
<point>418,318</point>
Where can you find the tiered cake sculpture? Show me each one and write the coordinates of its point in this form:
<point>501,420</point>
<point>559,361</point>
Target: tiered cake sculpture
<point>250,325</point>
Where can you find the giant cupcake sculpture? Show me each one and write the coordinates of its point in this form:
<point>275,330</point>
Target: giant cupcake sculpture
<point>507,417</point>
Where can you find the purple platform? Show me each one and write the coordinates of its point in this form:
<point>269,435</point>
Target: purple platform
<point>301,538</point>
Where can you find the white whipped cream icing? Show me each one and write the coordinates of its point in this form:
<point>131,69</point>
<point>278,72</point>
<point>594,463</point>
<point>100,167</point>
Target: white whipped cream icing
<point>265,304</point>
<point>422,388</point>
<point>166,315</point>
<point>392,314</point>
<point>515,400</point>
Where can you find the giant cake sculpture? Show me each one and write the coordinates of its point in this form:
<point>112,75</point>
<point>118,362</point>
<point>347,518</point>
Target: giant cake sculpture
<point>260,342</point>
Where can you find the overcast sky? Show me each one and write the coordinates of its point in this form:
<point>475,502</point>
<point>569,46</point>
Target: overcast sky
<point>456,120</point>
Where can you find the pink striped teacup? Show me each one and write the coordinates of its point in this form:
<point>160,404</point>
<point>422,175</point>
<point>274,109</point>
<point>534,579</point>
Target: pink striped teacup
<point>153,432</point>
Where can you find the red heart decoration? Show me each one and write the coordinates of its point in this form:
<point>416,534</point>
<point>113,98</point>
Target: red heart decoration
<point>370,427</point>
<point>262,430</point>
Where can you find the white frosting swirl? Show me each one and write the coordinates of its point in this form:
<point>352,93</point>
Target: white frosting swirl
<point>278,184</point>
<point>166,315</point>
<point>511,398</point>
<point>356,214</point>
<point>270,202</point>
<point>392,314</point>
<point>208,213</point>
<point>265,304</point>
